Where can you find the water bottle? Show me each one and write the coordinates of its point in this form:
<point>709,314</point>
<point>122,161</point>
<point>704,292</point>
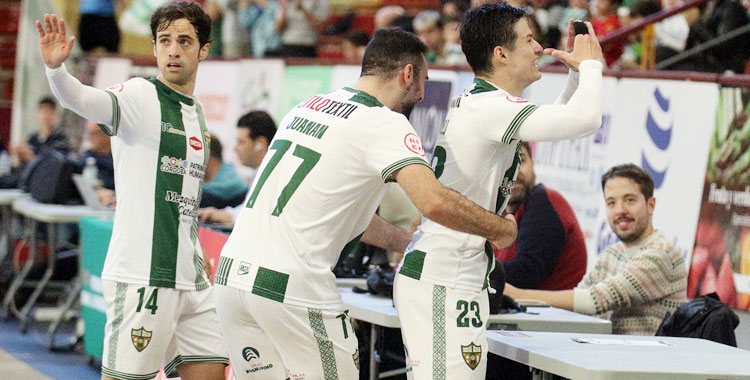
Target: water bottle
<point>90,171</point>
<point>4,163</point>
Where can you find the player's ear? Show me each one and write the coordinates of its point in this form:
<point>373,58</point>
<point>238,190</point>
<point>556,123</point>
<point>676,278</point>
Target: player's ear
<point>203,53</point>
<point>153,45</point>
<point>498,54</point>
<point>408,74</point>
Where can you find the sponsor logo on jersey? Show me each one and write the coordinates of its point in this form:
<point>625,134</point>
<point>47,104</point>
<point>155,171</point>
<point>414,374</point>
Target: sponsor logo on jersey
<point>118,87</point>
<point>295,376</point>
<point>515,99</point>
<point>173,165</point>
<point>472,355</point>
<point>169,128</point>
<point>195,143</point>
<point>244,268</point>
<point>413,143</point>
<point>259,367</point>
<point>355,356</point>
<point>250,353</point>
<point>188,206</point>
<point>140,338</point>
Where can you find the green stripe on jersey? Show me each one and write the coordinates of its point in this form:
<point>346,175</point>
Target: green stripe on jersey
<point>363,98</point>
<point>270,284</point>
<point>392,168</point>
<point>413,264</point>
<point>115,117</point>
<point>480,86</point>
<point>166,210</point>
<point>222,272</point>
<point>517,121</point>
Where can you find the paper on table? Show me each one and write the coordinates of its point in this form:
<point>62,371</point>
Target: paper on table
<point>623,342</point>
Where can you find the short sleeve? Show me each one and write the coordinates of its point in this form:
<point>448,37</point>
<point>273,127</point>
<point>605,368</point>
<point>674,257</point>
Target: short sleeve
<point>126,104</point>
<point>394,146</point>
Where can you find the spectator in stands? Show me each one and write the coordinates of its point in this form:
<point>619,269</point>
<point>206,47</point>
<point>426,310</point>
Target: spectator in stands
<point>548,15</point>
<point>636,281</point>
<point>550,252</point>
<point>259,18</point>
<point>429,27</point>
<point>385,16</point>
<point>453,55</point>
<point>718,19</point>
<point>605,21</point>
<point>46,138</point>
<point>353,45</point>
<point>632,53</point>
<point>670,34</point>
<point>97,26</point>
<point>454,8</point>
<point>576,10</point>
<point>235,38</point>
<point>101,150</point>
<point>299,24</point>
<point>255,130</point>
<point>223,187</point>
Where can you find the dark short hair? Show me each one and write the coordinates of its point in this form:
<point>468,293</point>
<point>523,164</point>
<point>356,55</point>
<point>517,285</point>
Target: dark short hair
<point>47,101</point>
<point>485,27</point>
<point>390,50</point>
<point>633,172</point>
<point>259,123</point>
<point>216,147</point>
<point>645,8</point>
<point>527,146</point>
<point>170,12</point>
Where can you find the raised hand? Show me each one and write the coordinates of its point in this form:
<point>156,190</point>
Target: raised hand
<point>53,44</point>
<point>585,46</point>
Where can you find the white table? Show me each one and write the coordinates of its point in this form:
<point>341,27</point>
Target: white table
<point>36,212</point>
<point>7,196</point>
<point>379,311</point>
<point>642,359</point>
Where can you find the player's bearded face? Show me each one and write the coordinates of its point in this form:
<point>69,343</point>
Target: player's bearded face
<point>414,92</point>
<point>178,52</point>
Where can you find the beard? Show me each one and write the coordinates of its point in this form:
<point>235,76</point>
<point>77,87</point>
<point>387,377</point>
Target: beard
<point>517,198</point>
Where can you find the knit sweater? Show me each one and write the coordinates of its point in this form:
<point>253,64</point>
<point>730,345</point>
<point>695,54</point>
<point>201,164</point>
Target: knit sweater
<point>634,287</point>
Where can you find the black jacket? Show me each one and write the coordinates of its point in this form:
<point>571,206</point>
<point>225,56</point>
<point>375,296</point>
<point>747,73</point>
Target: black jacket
<point>704,317</point>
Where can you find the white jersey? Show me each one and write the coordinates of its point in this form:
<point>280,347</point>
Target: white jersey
<point>476,154</point>
<point>316,192</point>
<point>160,150</point>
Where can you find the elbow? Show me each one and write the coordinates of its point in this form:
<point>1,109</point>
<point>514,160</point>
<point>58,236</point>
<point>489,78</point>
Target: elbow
<point>433,208</point>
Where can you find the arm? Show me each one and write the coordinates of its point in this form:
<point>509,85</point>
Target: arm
<point>91,103</point>
<point>452,209</point>
<point>541,238</point>
<point>385,235</point>
<point>562,299</point>
<point>581,116</point>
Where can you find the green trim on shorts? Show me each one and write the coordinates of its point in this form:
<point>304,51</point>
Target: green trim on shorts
<point>270,284</point>
<point>325,346</point>
<point>126,376</point>
<point>413,264</point>
<point>438,332</point>
<point>171,369</point>
<point>120,293</point>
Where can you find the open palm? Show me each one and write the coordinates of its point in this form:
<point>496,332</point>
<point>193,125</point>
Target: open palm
<point>53,44</point>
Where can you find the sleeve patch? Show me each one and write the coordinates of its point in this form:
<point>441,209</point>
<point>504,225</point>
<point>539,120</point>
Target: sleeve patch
<point>414,144</point>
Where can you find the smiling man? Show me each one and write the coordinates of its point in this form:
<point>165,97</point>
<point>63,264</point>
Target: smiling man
<point>160,308</point>
<point>636,281</point>
<point>477,154</point>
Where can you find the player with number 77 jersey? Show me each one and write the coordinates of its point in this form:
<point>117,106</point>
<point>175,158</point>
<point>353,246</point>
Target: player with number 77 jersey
<point>316,193</point>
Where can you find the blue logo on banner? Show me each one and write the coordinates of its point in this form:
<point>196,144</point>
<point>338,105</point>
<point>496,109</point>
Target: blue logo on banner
<point>660,136</point>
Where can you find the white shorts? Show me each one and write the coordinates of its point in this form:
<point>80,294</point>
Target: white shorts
<point>271,340</point>
<point>444,330</point>
<point>149,328</point>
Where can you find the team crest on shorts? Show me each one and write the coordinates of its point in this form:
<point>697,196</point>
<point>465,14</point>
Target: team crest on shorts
<point>472,355</point>
<point>141,338</point>
<point>355,356</point>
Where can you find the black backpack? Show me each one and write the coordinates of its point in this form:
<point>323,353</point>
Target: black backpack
<point>704,317</point>
<point>49,178</point>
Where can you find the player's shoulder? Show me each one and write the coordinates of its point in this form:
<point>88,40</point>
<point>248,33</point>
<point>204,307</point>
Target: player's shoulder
<point>130,85</point>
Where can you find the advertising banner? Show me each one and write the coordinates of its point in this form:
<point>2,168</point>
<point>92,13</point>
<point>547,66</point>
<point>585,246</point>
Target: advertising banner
<point>721,257</point>
<point>428,115</point>
<point>216,89</point>
<point>653,124</point>
<point>301,82</point>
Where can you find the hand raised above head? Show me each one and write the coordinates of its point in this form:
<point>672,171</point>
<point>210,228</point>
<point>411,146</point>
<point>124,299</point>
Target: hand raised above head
<point>53,44</point>
<point>585,46</point>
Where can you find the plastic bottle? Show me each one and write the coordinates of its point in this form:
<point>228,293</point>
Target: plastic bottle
<point>90,171</point>
<point>4,163</point>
